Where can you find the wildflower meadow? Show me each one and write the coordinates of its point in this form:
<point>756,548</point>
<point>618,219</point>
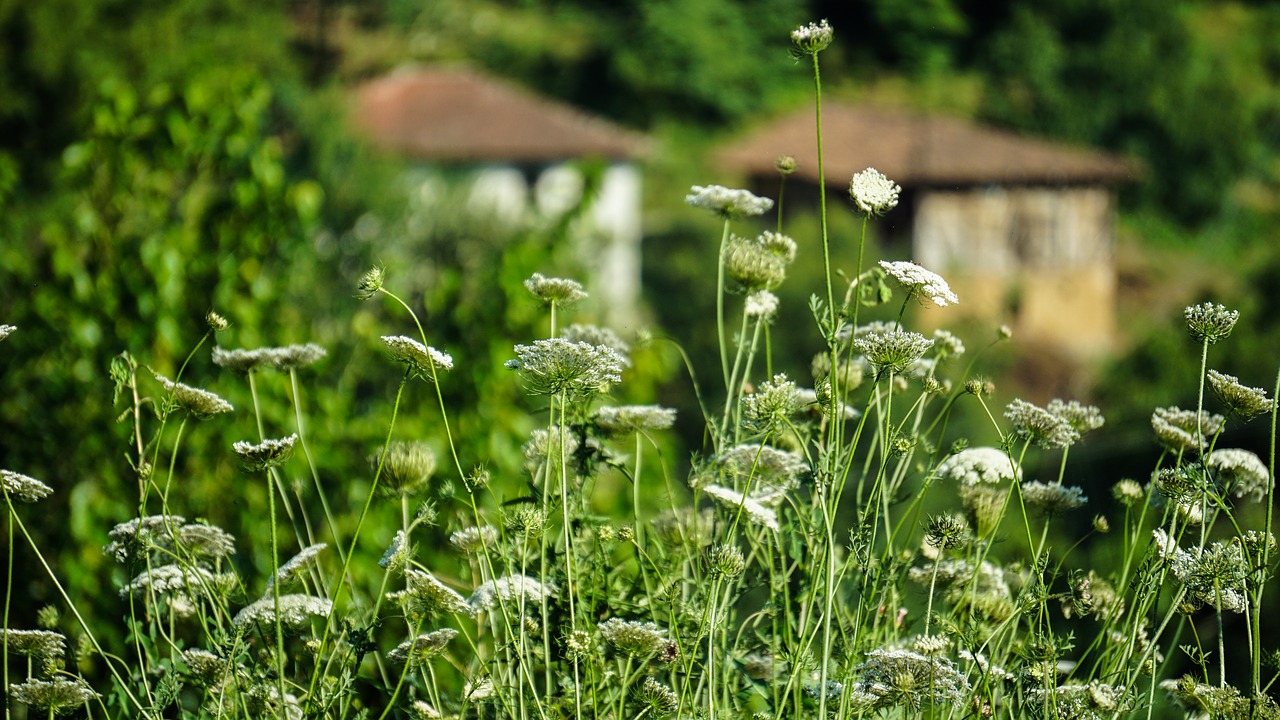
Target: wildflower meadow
<point>836,550</point>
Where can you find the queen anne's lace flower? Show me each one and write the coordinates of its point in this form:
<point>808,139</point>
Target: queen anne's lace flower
<point>1210,323</point>
<point>1095,701</point>
<point>1241,472</point>
<point>634,418</point>
<point>873,193</point>
<point>810,39</point>
<point>555,291</point>
<point>726,202</point>
<point>1214,576</point>
<point>1179,430</point>
<point>1040,426</point>
<point>428,596</point>
<point>509,589</point>
<point>1081,418</point>
<point>472,539</point>
<point>1241,400</point>
<point>59,696</point>
<point>26,489</point>
<point>294,611</point>
<point>924,284</point>
<point>420,359</point>
<point>893,351</point>
<point>756,511</point>
<point>407,468</point>
<point>266,454</point>
<point>1052,498</point>
<point>200,404</point>
<point>580,369</point>
<point>422,648</point>
<point>761,304</point>
<point>35,643</point>
<point>6,331</point>
<point>973,466</point>
<point>289,572</point>
<point>896,677</point>
<point>633,638</point>
<point>596,335</point>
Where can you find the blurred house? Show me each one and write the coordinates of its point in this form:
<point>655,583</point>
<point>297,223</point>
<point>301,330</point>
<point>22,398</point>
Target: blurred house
<point>1021,228</point>
<point>518,152</point>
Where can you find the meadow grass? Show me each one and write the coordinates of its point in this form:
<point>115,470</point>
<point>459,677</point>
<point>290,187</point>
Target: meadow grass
<point>803,567</point>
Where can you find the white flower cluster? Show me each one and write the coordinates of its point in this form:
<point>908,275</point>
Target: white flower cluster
<point>925,284</point>
<point>1178,429</point>
<point>294,611</point>
<point>419,358</point>
<point>509,589</point>
<point>897,677</point>
<point>812,38</point>
<point>266,454</point>
<point>287,573</point>
<point>754,509</point>
<point>1214,576</point>
<point>555,291</point>
<point>26,489</point>
<point>472,539</point>
<point>727,202</point>
<point>280,358</point>
<point>553,366</point>
<point>873,193</point>
<point>974,466</point>
<point>425,595</point>
<point>201,404</point>
<point>1244,472</point>
<point>633,638</point>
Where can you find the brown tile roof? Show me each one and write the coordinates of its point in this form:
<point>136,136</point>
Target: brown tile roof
<point>461,115</point>
<point>917,150</point>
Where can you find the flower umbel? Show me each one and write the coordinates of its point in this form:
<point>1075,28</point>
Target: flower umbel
<point>973,466</point>
<point>726,202</point>
<point>555,291</point>
<point>633,637</point>
<point>812,38</point>
<point>892,351</point>
<point>918,282</point>
<point>873,193</point>
<point>1210,323</point>
<point>200,404</point>
<point>1042,427</point>
<point>1243,401</point>
<point>266,454</point>
<point>59,696</point>
<point>553,366</point>
<point>26,489</point>
<point>421,360</point>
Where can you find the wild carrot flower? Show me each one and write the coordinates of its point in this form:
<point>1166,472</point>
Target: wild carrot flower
<point>216,322</point>
<point>60,696</point>
<point>266,454</point>
<point>1243,401</point>
<point>1095,701</point>
<point>297,356</point>
<point>200,404</point>
<point>873,193</point>
<point>131,539</point>
<point>421,360</point>
<point>1201,700</point>
<point>1040,426</point>
<point>596,335</point>
<point>1180,430</point>
<point>550,367</point>
<point>727,203</point>
<point>753,509</point>
<point>397,553</point>
<point>624,419</point>
<point>947,345</point>
<point>923,284</point>
<point>1081,418</point>
<point>288,573</point>
<point>545,445</point>
<point>759,263</point>
<point>206,542</point>
<point>904,678</point>
<point>761,304</point>
<point>408,467</point>
<point>657,699</point>
<point>892,351</point>
<point>1241,472</point>
<point>1210,323</point>
<point>773,403</point>
<point>471,540</point>
<point>1214,576</point>
<point>973,466</point>
<point>1052,498</point>
<point>422,648</point>
<point>1128,492</point>
<point>180,586</point>
<point>35,643</point>
<point>370,283</point>
<point>6,331</point>
<point>294,611</point>
<point>768,472</point>
<point>426,596</point>
<point>555,291</point>
<point>241,360</point>
<point>509,590</point>
<point>26,489</point>
<point>633,638</point>
<point>811,39</point>
<point>207,669</point>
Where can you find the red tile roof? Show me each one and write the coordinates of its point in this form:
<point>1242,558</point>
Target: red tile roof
<point>917,151</point>
<point>461,115</point>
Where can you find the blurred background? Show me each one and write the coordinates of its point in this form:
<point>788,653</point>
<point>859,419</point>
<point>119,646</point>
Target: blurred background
<point>1081,169</point>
